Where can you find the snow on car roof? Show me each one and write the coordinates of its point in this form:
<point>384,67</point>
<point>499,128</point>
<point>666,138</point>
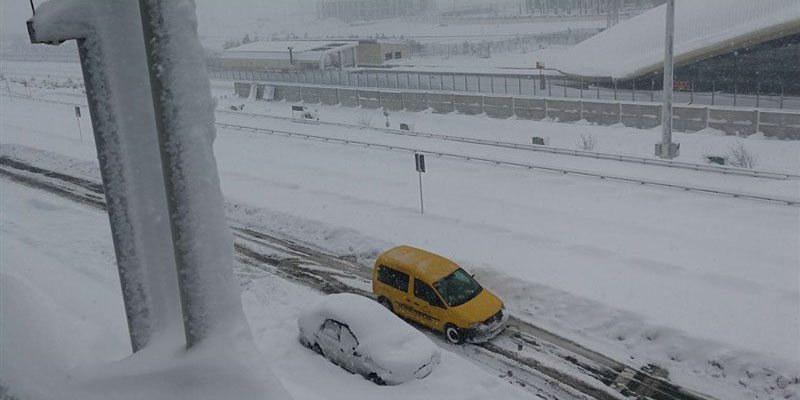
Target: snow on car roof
<point>703,29</point>
<point>429,265</point>
<point>380,334</point>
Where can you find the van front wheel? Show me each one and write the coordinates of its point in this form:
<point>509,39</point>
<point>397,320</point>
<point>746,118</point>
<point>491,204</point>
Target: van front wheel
<point>453,334</point>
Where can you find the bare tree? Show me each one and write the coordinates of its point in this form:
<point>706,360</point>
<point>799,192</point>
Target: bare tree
<point>739,156</point>
<point>587,142</point>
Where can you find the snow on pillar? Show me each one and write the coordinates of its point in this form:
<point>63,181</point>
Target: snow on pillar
<point>184,115</point>
<point>126,142</point>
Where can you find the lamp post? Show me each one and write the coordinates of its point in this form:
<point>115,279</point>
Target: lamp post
<point>666,149</point>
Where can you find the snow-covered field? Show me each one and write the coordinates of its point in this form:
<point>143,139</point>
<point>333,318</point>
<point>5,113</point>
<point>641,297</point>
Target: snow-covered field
<point>682,280</point>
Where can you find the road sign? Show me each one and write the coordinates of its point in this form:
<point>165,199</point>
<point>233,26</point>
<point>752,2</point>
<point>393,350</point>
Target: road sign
<point>420,161</point>
<point>298,108</point>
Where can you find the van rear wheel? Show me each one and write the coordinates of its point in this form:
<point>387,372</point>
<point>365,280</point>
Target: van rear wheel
<point>386,303</point>
<point>453,335</point>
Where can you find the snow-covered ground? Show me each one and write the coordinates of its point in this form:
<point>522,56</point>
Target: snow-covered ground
<point>683,280</point>
<point>62,311</point>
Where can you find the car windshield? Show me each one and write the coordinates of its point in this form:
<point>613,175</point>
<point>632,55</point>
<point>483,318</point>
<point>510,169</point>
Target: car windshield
<point>458,288</point>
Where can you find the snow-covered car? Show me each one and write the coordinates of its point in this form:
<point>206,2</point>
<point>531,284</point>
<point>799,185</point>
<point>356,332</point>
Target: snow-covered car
<point>364,338</point>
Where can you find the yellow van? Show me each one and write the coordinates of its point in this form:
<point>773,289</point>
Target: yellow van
<point>436,292</point>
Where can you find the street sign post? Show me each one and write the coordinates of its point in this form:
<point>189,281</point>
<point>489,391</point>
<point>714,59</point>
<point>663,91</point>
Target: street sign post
<point>78,117</point>
<point>420,163</point>
<point>667,149</point>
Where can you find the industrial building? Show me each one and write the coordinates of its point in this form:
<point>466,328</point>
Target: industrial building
<point>366,10</point>
<point>731,45</point>
<point>290,55</point>
<point>311,54</point>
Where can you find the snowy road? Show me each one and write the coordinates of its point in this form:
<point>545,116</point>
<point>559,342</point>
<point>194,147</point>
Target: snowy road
<point>679,280</point>
<point>546,365</point>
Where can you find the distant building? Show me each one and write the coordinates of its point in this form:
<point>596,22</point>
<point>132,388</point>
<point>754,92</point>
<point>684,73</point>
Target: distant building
<point>377,52</point>
<point>291,55</point>
<point>367,10</point>
<point>311,54</point>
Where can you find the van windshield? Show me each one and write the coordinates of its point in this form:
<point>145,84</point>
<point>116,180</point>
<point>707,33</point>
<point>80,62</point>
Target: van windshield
<point>458,288</point>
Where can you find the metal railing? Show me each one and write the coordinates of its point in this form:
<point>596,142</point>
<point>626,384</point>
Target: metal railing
<point>528,166</point>
<point>537,148</point>
<point>552,150</point>
<point>547,83</point>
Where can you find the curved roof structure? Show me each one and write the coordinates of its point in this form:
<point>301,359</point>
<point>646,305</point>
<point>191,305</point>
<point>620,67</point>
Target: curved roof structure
<point>703,29</point>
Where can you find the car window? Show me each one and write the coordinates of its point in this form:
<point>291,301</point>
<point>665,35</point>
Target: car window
<point>393,278</point>
<point>330,328</point>
<point>424,292</point>
<point>347,339</point>
<point>458,288</point>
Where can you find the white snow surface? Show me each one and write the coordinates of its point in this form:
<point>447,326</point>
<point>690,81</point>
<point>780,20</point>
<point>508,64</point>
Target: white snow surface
<point>63,332</point>
<point>636,46</point>
<point>382,336</point>
<point>703,286</point>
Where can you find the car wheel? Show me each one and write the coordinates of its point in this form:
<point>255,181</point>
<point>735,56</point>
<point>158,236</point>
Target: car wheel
<point>453,335</point>
<point>317,349</point>
<point>373,377</point>
<point>386,303</point>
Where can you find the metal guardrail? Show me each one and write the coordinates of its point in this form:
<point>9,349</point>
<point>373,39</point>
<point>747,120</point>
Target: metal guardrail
<point>541,83</point>
<point>554,150</point>
<point>565,171</point>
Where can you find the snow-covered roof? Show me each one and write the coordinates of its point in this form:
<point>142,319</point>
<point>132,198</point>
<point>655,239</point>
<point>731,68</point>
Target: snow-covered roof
<point>703,29</point>
<point>310,50</point>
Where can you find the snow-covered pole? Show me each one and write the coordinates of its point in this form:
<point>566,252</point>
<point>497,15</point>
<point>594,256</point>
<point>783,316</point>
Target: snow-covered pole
<point>114,173</point>
<point>666,149</point>
<point>184,114</point>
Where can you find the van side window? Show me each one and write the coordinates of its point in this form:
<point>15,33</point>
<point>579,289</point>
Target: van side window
<point>424,292</point>
<point>393,278</point>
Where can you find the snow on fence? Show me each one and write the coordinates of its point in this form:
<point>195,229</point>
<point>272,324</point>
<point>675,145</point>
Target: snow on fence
<point>741,122</point>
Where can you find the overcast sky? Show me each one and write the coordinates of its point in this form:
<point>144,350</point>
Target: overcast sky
<point>15,12</point>
<point>211,13</point>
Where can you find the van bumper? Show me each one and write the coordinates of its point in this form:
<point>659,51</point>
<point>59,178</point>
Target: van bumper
<point>484,332</point>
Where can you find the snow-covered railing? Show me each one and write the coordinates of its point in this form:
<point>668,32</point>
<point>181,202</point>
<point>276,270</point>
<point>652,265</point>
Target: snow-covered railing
<point>529,166</point>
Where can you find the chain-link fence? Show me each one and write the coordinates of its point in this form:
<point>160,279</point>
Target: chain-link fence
<point>768,94</point>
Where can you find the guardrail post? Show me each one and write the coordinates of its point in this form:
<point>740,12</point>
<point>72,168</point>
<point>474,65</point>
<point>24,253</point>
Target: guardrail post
<point>758,121</point>
<point>546,109</point>
<point>758,94</point>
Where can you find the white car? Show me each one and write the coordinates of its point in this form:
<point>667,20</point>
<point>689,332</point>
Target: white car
<point>364,338</point>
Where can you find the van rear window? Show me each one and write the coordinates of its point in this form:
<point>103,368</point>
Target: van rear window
<point>393,278</point>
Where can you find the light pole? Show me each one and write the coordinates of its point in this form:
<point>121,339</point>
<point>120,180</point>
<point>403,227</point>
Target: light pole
<point>666,149</point>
